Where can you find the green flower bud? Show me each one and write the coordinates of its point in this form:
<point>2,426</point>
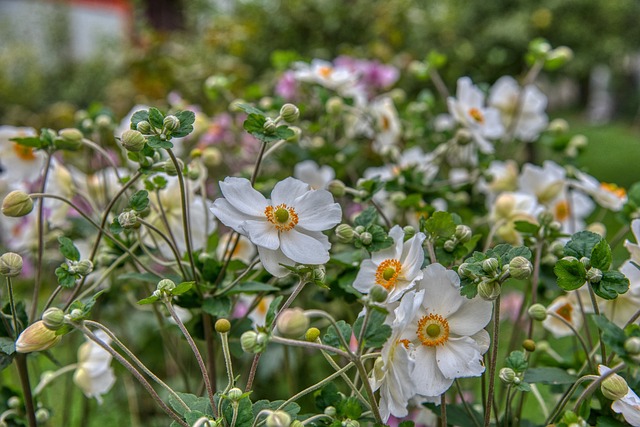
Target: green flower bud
<point>17,204</point>
<point>292,323</point>
<point>632,345</point>
<point>170,123</point>
<point>318,274</point>
<point>289,113</point>
<point>84,267</point>
<point>71,138</point>
<point>594,275</point>
<point>409,232</point>
<point>170,168</point>
<point>450,245</point>
<point>350,423</point>
<point>76,315</point>
<point>132,140</point>
<point>537,312</point>
<point>14,402</point>
<point>334,105</point>
<point>312,334</point>
<point>211,157</point>
<point>520,268</point>
<point>366,238</point>
<point>103,121</point>
<point>42,415</point>
<point>359,229</point>
<point>144,127</point>
<point>254,342</point>
<point>10,264</point>
<point>297,133</point>
<point>490,265</point>
<point>128,219</point>
<point>507,375</point>
<point>235,394</point>
<point>336,188</point>
<point>278,419</point>
<point>463,233</point>
<point>614,387</point>
<point>330,411</point>
<point>222,326</point>
<point>465,272</point>
<point>345,233</point>
<point>488,290</point>
<point>53,318</point>
<point>37,337</point>
<point>270,125</point>
<point>165,286</point>
<point>529,345</point>
<point>586,262</point>
<point>378,293</point>
<point>296,423</point>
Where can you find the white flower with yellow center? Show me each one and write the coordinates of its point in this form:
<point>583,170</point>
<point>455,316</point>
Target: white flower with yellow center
<point>607,195</point>
<point>396,268</point>
<point>94,374</point>
<point>19,162</point>
<point>567,308</point>
<point>469,110</point>
<point>446,331</point>
<point>325,74</point>
<point>287,229</point>
<point>388,129</point>
<point>547,183</point>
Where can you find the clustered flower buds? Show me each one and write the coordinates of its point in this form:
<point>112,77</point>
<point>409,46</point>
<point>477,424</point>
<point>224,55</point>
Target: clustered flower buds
<point>254,342</point>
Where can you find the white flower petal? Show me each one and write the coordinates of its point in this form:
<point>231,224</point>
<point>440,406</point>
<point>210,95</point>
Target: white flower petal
<point>317,211</point>
<point>303,248</point>
<point>241,195</point>
<point>287,190</point>
<point>366,277</point>
<point>397,386</point>
<point>472,316</point>
<point>228,215</point>
<point>427,377</point>
<point>442,288</point>
<point>412,255</point>
<point>459,357</point>
<point>271,261</point>
<point>261,233</point>
<point>392,252</point>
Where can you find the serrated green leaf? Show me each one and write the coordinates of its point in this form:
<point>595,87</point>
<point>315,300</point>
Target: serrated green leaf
<point>68,249</point>
<point>195,403</point>
<point>186,117</point>
<point>350,408</point>
<point>331,337</point>
<point>271,312</point>
<point>549,375</point>
<point>115,226</point>
<point>148,300</point>
<point>327,396</point>
<point>7,345</point>
<point>581,244</point>
<point>65,279</point>
<point>139,201</point>
<point>601,255</point>
<point>440,225</point>
<point>244,417</point>
<point>612,284</point>
<point>283,132</point>
<point>139,116</point>
<point>291,408</point>
<point>571,274</point>
<point>612,335</point>
<point>517,361</point>
<point>515,252</point>
<point>376,333</point>
<point>156,142</point>
<point>250,109</point>
<point>469,290</point>
<point>526,227</point>
<point>523,386</point>
<point>217,307</point>
<point>254,123</point>
<point>156,118</point>
<point>367,217</point>
<point>182,288</point>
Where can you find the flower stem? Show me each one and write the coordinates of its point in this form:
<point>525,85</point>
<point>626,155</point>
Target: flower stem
<point>575,332</point>
<point>493,361</point>
<point>224,338</point>
<point>168,242</point>
<point>592,387</point>
<point>16,325</point>
<point>443,409</point>
<point>368,389</point>
<point>23,373</point>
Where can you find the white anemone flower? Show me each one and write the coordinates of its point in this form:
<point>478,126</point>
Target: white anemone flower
<point>318,177</point>
<point>510,207</point>
<point>396,268</point>
<point>94,374</point>
<point>19,162</point>
<point>524,105</point>
<point>547,183</point>
<point>392,371</point>
<point>628,405</point>
<point>607,195</point>
<point>325,74</point>
<point>568,309</point>
<point>244,250</point>
<point>287,228</point>
<point>446,331</point>
<point>388,128</point>
<point>468,108</point>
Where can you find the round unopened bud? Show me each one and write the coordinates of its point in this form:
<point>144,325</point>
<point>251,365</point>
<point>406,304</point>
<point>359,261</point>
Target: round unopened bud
<point>289,113</point>
<point>222,326</point>
<point>17,204</point>
<point>366,238</point>
<point>537,312</point>
<point>312,334</point>
<point>330,411</point>
<point>334,105</point>
<point>170,168</point>
<point>42,415</point>
<point>235,394</point>
<point>296,423</point>
<point>614,387</point>
<point>336,188</point>
<point>520,268</point>
<point>76,314</point>
<point>632,345</point>
<point>133,140</point>
<point>71,138</point>
<point>507,375</point>
<point>53,318</point>
<point>128,219</point>
<point>170,123</point>
<point>450,245</point>
<point>318,274</point>
<point>463,233</point>
<point>278,419</point>
<point>350,423</point>
<point>409,232</point>
<point>144,127</point>
<point>586,262</point>
<point>14,402</point>
<point>211,157</point>
<point>345,233</point>
<point>253,342</point>
<point>37,337</point>
<point>465,272</point>
<point>529,345</point>
<point>165,285</point>
<point>378,293</point>
<point>488,290</point>
<point>292,323</point>
<point>594,275</point>
<point>84,267</point>
<point>558,126</point>
<point>270,125</point>
<point>490,265</point>
<point>10,264</point>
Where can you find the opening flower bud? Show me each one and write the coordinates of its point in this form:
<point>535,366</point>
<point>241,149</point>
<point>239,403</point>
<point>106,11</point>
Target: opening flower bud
<point>520,268</point>
<point>166,285</point>
<point>170,123</point>
<point>289,113</point>
<point>17,204</point>
<point>133,140</point>
<point>71,138</point>
<point>312,334</point>
<point>507,375</point>
<point>465,272</point>
<point>269,126</point>
<point>235,394</point>
<point>144,127</point>
<point>10,264</point>
<point>488,290</point>
<point>278,419</point>
<point>292,323</point>
<point>490,265</point>
<point>84,267</point>
<point>366,238</point>
<point>537,312</point>
<point>128,219</point>
<point>170,167</point>
<point>53,318</point>
<point>450,246</point>
<point>614,387</point>
<point>345,233</point>
<point>223,326</point>
<point>463,233</point>
<point>37,337</point>
<point>254,342</point>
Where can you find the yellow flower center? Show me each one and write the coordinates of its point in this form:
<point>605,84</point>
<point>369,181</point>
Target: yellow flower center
<point>388,272</point>
<point>562,211</point>
<point>24,153</point>
<point>433,330</point>
<point>476,115</point>
<point>282,216</point>
<point>565,312</point>
<point>325,72</point>
<point>619,192</point>
<point>386,123</point>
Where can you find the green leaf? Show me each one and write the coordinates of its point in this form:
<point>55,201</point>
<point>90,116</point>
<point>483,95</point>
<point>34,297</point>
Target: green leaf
<point>291,408</point>
<point>571,274</point>
<point>469,290</point>
<point>182,288</point>
<point>376,333</point>
<point>68,249</point>
<point>7,345</point>
<point>157,142</point>
<point>611,285</point>
<point>609,422</point>
<point>139,201</point>
<point>139,116</point>
<point>517,361</point>
<point>407,424</point>
<point>456,414</point>
<point>612,335</point>
<point>523,386</point>
<point>251,287</point>
<point>28,141</point>
<point>327,396</point>
<point>440,224</point>
<point>350,408</point>
<point>283,132</point>
<point>550,375</point>
<point>115,226</point>
<point>379,239</point>
<point>195,403</point>
<point>217,307</point>
<point>250,109</point>
<point>601,255</point>
<point>145,277</point>
<point>65,279</point>
<point>367,217</point>
<point>187,118</point>
<point>526,227</point>
<point>271,312</point>
<point>581,244</point>
<point>155,118</point>
<point>522,251</point>
<point>244,417</point>
<point>331,337</point>
<point>254,123</point>
<point>148,300</point>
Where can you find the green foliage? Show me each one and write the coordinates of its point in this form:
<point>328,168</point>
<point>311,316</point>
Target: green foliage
<point>68,249</point>
<point>571,274</point>
<point>377,332</point>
